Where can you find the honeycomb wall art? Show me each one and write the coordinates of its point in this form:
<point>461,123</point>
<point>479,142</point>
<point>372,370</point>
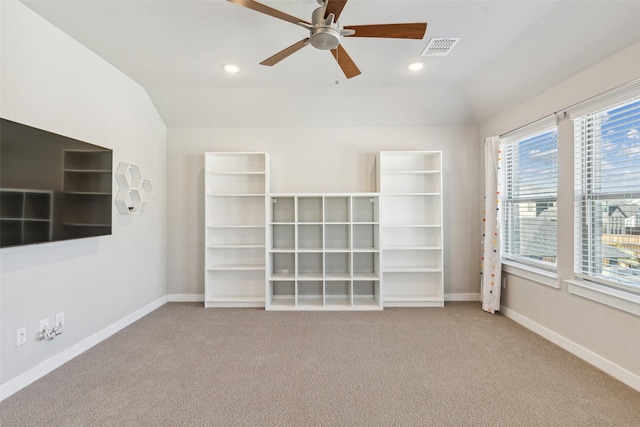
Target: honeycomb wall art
<point>133,190</point>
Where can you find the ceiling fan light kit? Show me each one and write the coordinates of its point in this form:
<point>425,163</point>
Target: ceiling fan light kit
<point>325,32</point>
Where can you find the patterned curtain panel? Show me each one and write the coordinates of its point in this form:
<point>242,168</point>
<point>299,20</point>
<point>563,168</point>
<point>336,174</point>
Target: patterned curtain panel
<point>491,257</point>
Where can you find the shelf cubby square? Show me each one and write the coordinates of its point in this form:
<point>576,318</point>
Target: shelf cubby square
<point>310,236</point>
<point>309,209</point>
<point>283,209</point>
<point>283,265</point>
<point>366,293</point>
<point>365,209</point>
<point>365,237</point>
<point>310,293</point>
<point>11,204</point>
<point>337,236</point>
<point>337,293</point>
<point>310,265</point>
<point>36,231</point>
<point>337,265</point>
<point>37,205</point>
<point>366,265</point>
<point>283,236</point>
<point>336,209</point>
<point>10,232</point>
<point>282,293</point>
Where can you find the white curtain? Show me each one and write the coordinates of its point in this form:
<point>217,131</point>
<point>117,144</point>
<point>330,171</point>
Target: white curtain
<point>491,256</point>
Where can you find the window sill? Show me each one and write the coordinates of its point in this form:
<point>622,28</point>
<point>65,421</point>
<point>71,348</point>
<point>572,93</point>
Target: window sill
<point>621,300</point>
<point>537,275</point>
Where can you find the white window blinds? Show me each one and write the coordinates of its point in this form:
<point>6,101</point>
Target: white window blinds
<point>607,178</point>
<point>530,188</point>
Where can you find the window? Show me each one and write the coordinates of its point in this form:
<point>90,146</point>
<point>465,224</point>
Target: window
<point>530,189</point>
<point>607,173</point>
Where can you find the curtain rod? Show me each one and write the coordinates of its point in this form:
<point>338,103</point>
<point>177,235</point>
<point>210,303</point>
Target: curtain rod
<point>535,122</point>
<point>563,112</point>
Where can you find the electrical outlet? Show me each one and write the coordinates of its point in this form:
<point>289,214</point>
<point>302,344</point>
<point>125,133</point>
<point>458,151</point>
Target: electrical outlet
<point>60,319</point>
<point>44,323</point>
<point>21,336</point>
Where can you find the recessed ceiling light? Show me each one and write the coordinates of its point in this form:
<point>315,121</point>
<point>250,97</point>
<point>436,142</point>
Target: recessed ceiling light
<point>230,68</point>
<point>416,66</point>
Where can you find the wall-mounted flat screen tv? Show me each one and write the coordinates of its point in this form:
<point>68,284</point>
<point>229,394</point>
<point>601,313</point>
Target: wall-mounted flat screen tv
<point>51,187</point>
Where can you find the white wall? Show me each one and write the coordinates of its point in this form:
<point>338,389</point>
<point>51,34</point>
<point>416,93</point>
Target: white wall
<point>600,333</point>
<point>329,159</point>
<point>51,82</point>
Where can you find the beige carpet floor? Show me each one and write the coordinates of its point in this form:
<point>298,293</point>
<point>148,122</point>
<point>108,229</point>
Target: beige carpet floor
<point>184,365</point>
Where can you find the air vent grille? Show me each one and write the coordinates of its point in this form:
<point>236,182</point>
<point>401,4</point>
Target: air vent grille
<point>440,46</point>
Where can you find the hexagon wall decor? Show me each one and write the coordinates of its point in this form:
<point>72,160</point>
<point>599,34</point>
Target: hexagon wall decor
<point>133,190</point>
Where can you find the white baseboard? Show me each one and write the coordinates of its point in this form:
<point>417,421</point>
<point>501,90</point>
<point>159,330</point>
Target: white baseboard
<point>200,297</point>
<point>185,298</point>
<point>462,297</point>
<point>60,359</point>
<point>618,372</point>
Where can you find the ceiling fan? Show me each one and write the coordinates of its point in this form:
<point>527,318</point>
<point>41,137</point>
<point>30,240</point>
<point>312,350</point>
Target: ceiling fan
<point>325,32</point>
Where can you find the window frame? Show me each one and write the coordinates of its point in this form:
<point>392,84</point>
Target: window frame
<point>587,197</point>
<point>539,270</point>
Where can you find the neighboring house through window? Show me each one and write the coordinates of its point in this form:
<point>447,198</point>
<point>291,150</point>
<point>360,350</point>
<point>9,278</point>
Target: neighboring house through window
<point>607,173</point>
<point>530,188</point>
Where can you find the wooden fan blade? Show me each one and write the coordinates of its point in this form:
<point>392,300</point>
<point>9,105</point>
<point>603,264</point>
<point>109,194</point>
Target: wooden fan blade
<point>345,62</point>
<point>284,53</point>
<point>335,7</point>
<point>390,31</point>
<point>259,7</point>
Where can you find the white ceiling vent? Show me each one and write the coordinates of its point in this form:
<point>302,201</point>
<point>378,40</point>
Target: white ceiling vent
<point>439,47</point>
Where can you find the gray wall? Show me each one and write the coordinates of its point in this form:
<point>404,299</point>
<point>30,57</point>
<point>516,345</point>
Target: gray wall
<point>51,82</point>
<point>599,332</point>
<point>329,159</point>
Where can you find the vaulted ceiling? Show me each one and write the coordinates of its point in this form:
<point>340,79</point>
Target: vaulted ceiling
<point>508,52</point>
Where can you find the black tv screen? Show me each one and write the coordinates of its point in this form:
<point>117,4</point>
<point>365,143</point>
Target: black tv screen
<point>51,187</point>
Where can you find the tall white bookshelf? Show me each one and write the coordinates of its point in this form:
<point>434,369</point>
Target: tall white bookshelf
<point>411,215</point>
<point>324,252</point>
<point>236,189</point>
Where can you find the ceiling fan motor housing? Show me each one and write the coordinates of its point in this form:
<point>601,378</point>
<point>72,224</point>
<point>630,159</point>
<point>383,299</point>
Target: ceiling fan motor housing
<point>325,34</point>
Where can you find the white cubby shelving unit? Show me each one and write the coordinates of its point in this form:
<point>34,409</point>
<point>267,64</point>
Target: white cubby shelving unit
<point>236,189</point>
<point>411,214</point>
<point>324,252</point>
